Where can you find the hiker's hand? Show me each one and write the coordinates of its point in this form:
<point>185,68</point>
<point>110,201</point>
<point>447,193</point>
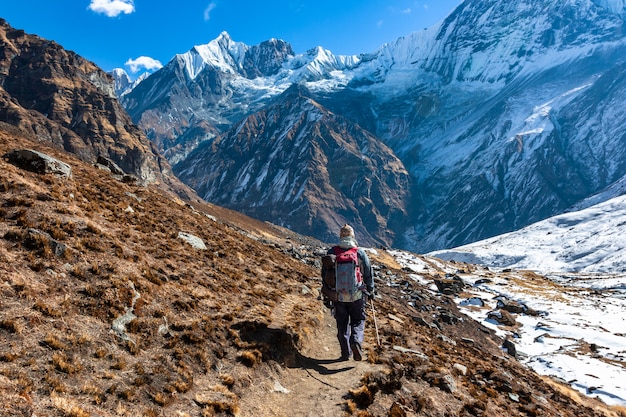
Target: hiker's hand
<point>370,293</point>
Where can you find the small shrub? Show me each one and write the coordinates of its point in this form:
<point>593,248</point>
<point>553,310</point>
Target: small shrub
<point>227,380</point>
<point>98,394</point>
<point>8,357</point>
<point>161,398</point>
<point>56,384</point>
<point>93,243</point>
<point>100,352</point>
<point>68,407</point>
<point>64,364</point>
<point>250,358</point>
<point>11,325</point>
<point>363,396</point>
<point>128,394</point>
<point>53,342</point>
<point>46,309</point>
<point>119,363</point>
<point>84,340</point>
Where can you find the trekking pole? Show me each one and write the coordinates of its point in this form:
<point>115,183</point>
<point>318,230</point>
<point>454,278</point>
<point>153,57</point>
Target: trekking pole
<point>375,324</point>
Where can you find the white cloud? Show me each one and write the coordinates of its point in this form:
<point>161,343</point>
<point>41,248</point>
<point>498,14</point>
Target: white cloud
<point>145,62</point>
<point>379,23</point>
<point>208,10</point>
<point>112,8</point>
<point>406,11</point>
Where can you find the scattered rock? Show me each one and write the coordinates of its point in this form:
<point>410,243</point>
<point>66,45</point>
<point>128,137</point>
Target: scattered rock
<point>447,383</point>
<point>194,241</point>
<point>447,317</point>
<point>412,351</point>
<point>444,381</point>
<point>460,369</point>
<point>510,305</point>
<point>515,307</point>
<point>502,317</point>
<point>446,339</point>
<point>35,235</point>
<point>395,318</point>
<point>510,347</point>
<point>422,322</point>
<point>474,301</point>
<point>451,285</point>
<point>110,165</point>
<point>38,162</point>
<point>279,388</point>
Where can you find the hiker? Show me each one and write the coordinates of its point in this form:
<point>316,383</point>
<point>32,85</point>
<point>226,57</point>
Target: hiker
<point>349,299</point>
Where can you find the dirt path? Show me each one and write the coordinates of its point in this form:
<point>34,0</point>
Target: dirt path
<point>315,388</point>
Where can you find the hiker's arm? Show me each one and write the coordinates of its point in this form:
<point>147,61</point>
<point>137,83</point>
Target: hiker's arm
<point>366,270</point>
<point>323,270</point>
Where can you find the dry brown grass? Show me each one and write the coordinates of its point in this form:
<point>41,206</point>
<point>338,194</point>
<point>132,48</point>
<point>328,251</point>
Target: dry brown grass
<point>208,325</point>
<point>66,305</point>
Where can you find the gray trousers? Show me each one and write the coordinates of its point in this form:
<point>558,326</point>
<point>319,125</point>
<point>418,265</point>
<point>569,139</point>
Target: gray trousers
<point>350,325</point>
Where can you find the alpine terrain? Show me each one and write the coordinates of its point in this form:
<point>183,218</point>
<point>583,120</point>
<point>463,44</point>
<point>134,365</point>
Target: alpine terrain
<point>124,294</point>
<point>503,114</point>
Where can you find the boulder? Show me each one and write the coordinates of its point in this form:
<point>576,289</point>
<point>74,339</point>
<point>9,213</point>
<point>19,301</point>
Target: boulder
<point>502,317</point>
<point>510,347</point>
<point>193,240</point>
<point>36,237</point>
<point>38,162</point>
<point>110,165</point>
<point>450,285</point>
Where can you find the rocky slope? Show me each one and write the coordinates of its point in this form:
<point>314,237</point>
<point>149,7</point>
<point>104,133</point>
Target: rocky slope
<point>299,165</point>
<point>61,99</point>
<point>119,300</point>
<point>504,114</point>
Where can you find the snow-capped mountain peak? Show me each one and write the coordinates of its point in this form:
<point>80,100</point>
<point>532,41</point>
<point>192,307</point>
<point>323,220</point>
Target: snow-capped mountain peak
<point>222,53</point>
<point>122,82</point>
<point>505,113</point>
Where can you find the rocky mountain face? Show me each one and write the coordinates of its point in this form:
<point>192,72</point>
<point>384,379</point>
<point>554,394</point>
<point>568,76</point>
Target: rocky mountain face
<point>525,122</point>
<point>63,100</point>
<point>503,114</point>
<point>297,164</point>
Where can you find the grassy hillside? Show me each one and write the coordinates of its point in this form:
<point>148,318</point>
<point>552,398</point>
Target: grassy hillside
<point>106,311</point>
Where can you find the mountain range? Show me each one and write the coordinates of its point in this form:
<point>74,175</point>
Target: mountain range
<point>503,114</point>
<point>120,298</point>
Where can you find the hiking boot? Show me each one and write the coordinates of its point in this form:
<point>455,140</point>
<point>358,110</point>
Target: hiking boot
<point>356,351</point>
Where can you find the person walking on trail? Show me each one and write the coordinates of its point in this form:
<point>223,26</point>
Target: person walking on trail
<point>354,283</point>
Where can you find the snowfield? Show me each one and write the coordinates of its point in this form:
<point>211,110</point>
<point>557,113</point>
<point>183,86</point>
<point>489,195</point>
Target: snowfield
<point>571,271</point>
<point>578,331</point>
<point>592,240</point>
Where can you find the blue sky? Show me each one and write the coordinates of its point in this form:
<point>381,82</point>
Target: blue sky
<point>148,33</point>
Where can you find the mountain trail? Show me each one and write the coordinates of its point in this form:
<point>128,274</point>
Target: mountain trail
<point>317,385</point>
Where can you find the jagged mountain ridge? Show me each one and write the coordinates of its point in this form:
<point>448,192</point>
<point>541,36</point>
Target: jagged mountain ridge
<point>213,86</point>
<point>482,109</point>
<point>62,99</point>
<point>253,165</point>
